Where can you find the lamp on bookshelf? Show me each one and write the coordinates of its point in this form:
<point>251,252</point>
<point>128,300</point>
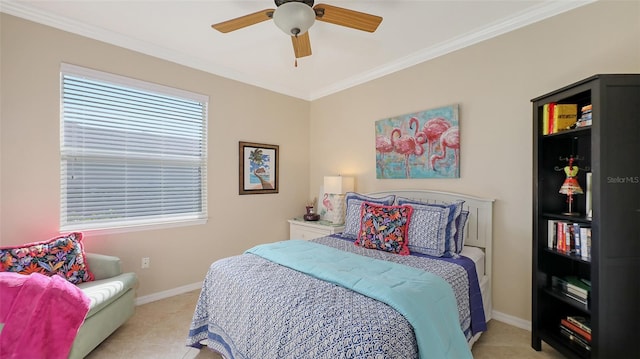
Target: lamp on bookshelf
<point>570,186</point>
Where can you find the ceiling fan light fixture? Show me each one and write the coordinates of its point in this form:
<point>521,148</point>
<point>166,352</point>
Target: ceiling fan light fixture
<point>294,18</point>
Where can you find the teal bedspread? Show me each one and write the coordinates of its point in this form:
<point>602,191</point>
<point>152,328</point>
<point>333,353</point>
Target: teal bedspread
<point>424,299</point>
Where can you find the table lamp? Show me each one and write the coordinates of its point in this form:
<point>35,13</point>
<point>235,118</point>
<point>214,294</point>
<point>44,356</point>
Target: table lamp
<point>332,202</point>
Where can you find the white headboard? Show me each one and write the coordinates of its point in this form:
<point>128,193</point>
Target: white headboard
<point>479,228</point>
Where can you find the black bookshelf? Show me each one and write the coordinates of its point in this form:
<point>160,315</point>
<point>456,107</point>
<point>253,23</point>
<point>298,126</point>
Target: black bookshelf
<point>610,149</point>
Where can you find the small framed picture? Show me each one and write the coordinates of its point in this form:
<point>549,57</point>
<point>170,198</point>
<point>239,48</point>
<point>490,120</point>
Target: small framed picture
<point>258,168</point>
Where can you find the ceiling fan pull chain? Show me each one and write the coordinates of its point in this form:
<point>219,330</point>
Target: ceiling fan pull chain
<point>295,63</point>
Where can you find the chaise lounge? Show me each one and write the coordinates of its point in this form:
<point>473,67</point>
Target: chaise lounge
<point>36,309</point>
<point>112,295</point>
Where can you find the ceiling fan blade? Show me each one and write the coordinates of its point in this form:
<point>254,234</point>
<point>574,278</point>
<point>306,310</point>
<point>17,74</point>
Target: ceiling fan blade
<point>301,45</point>
<point>244,21</point>
<point>345,17</point>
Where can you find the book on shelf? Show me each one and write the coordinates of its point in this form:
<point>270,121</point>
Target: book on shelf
<point>575,338</point>
<point>588,195</point>
<point>561,237</point>
<point>581,322</point>
<point>545,119</point>
<point>574,297</point>
<point>576,330</point>
<point>585,243</point>
<point>569,238</point>
<point>576,239</point>
<point>551,107</point>
<point>551,234</point>
<point>564,116</point>
<point>577,298</point>
<point>555,235</point>
<point>572,287</point>
<point>558,117</point>
<point>577,284</point>
<point>576,293</point>
<point>585,116</point>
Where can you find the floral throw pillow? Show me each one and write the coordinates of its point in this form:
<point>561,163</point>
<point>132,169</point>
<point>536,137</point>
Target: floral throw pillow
<point>354,202</point>
<point>63,256</point>
<point>384,227</point>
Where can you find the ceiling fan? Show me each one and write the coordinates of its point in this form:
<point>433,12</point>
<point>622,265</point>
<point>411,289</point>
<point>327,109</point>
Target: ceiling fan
<point>295,17</point>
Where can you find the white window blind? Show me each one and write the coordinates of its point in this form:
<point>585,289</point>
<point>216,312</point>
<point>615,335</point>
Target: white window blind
<point>132,153</point>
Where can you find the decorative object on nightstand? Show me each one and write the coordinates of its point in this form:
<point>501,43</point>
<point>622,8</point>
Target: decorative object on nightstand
<point>301,229</point>
<point>311,215</point>
<point>331,204</point>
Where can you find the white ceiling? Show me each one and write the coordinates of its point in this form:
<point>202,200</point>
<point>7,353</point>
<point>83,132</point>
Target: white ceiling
<point>180,31</point>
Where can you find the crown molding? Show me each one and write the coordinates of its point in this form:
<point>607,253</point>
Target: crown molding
<point>27,12</point>
<point>532,15</point>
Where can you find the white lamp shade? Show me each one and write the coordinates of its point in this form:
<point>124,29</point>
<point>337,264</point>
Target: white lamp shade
<point>338,184</point>
<point>294,15</point>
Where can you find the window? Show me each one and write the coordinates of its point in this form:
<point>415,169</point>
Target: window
<point>132,153</point>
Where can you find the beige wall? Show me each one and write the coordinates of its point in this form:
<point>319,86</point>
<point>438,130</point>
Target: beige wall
<point>493,83</point>
<point>31,57</point>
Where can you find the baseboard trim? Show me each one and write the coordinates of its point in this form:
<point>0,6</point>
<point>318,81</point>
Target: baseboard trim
<point>511,320</point>
<point>168,293</point>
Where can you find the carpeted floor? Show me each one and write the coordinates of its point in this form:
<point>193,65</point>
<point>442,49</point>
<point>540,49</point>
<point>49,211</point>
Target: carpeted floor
<point>158,330</point>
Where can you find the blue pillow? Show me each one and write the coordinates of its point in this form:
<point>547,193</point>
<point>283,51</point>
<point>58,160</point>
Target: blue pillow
<point>354,203</point>
<point>428,230</point>
<point>449,244</point>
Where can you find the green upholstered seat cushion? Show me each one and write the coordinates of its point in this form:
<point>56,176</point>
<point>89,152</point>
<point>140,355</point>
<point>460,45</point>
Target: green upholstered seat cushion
<point>103,292</point>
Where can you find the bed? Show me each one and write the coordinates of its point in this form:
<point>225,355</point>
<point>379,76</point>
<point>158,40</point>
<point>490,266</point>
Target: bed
<point>331,298</point>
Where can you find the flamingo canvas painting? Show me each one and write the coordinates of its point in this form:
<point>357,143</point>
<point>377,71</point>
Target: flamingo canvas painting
<point>424,144</point>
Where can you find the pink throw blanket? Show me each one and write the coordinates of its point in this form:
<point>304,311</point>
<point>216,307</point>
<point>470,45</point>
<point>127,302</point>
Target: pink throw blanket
<point>41,315</point>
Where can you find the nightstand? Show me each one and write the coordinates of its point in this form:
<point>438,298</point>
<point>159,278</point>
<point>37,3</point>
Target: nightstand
<point>301,229</point>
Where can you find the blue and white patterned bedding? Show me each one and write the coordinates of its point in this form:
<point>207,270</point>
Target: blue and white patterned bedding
<point>250,307</point>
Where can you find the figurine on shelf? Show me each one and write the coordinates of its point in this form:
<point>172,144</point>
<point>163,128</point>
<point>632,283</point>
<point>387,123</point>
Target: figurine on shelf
<point>570,186</point>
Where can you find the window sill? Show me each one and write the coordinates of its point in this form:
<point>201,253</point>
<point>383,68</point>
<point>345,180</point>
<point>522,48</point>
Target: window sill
<point>126,228</point>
